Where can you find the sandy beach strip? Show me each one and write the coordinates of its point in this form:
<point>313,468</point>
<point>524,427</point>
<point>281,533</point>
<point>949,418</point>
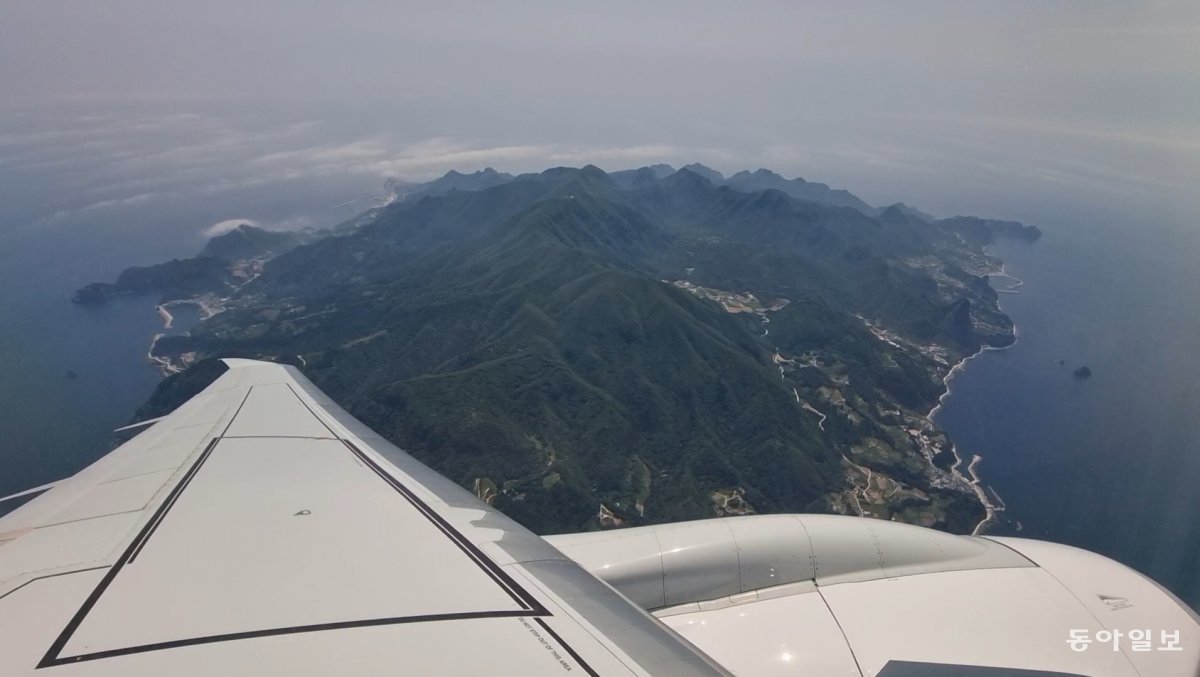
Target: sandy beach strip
<point>166,315</point>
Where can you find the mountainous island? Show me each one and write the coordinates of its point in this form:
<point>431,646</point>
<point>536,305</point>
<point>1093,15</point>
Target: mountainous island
<point>590,350</point>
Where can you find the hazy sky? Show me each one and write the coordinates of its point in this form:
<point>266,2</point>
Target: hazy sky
<point>956,106</point>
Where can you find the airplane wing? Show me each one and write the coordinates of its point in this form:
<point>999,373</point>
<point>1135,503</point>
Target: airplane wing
<point>259,529</point>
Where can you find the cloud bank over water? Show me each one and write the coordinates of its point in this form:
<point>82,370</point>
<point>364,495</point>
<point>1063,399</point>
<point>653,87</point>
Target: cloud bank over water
<point>957,107</point>
<point>222,227</point>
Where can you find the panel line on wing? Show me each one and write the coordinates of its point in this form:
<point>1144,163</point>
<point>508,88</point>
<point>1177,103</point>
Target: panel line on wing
<point>237,411</point>
<point>298,629</point>
<point>56,575</point>
<point>50,525</point>
<point>275,410</point>
<point>578,659</point>
<point>529,605</point>
<point>52,654</point>
<point>275,437</point>
<point>519,594</point>
<point>175,494</point>
<point>310,410</point>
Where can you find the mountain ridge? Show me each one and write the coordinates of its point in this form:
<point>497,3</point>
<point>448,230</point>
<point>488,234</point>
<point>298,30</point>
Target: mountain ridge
<point>589,350</point>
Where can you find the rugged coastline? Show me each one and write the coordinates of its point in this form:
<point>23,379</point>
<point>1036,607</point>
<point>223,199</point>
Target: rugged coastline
<point>993,508</point>
<point>208,305</point>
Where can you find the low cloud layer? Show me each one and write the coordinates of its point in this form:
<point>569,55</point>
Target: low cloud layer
<point>959,106</point>
<point>222,227</point>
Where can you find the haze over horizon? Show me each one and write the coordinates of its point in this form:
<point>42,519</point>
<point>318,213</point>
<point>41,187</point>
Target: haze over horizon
<point>951,107</point>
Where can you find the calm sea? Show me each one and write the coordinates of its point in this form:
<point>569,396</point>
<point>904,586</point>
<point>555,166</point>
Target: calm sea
<point>1110,463</point>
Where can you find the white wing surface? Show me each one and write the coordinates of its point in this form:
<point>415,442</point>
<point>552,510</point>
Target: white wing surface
<point>259,529</point>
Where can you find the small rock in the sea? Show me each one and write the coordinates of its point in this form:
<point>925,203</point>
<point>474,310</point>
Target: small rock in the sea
<point>1061,362</point>
<point>1083,372</point>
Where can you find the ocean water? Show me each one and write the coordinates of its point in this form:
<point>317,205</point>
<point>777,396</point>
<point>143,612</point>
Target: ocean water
<point>82,197</point>
<point>1109,463</point>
